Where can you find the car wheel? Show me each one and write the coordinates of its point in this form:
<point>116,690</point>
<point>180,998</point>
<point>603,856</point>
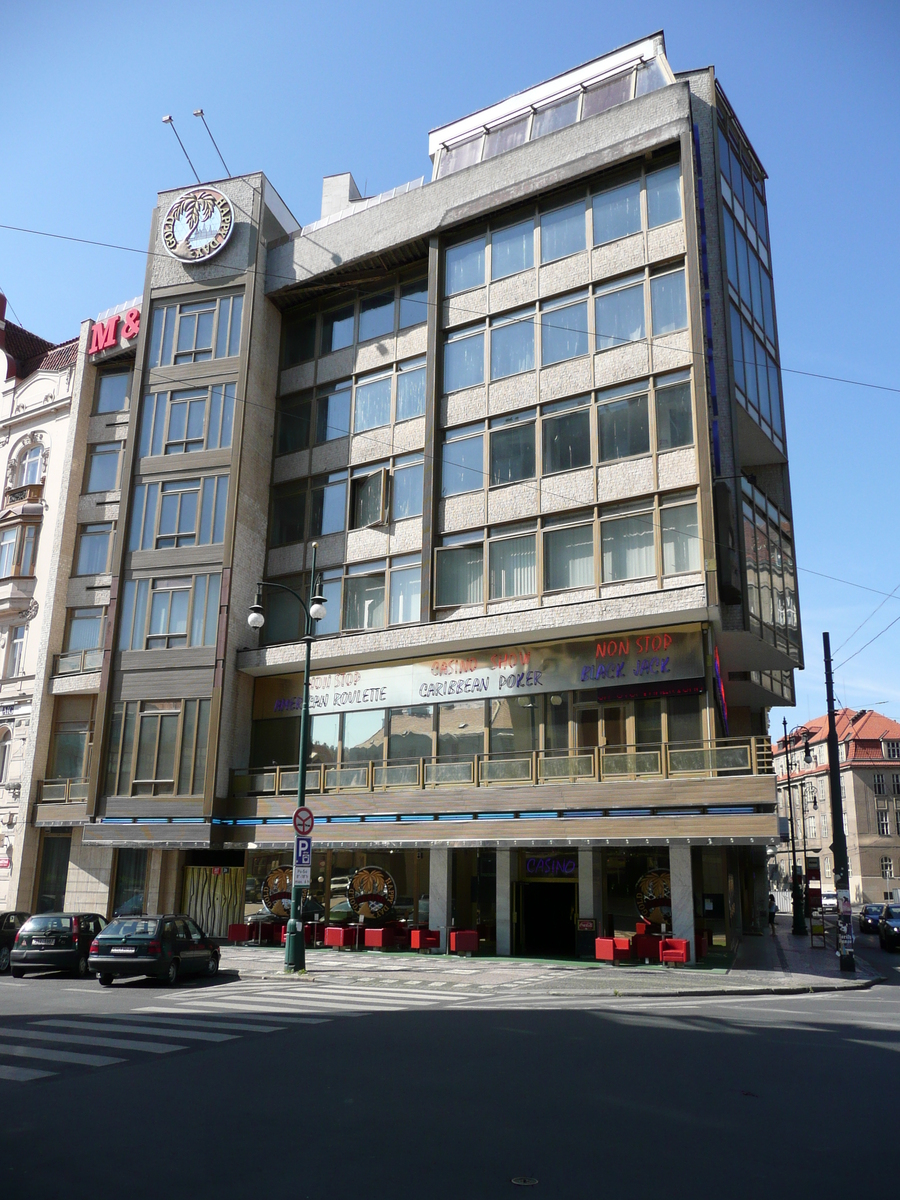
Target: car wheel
<point>171,976</point>
<point>81,967</point>
<point>212,966</point>
<point>18,973</point>
<point>106,979</point>
<point>4,959</point>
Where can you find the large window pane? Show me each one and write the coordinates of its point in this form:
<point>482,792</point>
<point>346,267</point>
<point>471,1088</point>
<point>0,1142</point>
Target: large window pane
<point>612,91</point>
<point>463,154</point>
<point>505,137</point>
<point>674,422</point>
<point>680,539</point>
<point>93,549</point>
<point>406,595</point>
<point>624,427</point>
<point>324,733</point>
<point>363,736</point>
<point>627,548</point>
<point>569,557</point>
<point>461,729</point>
<point>555,116</point>
<point>465,266</point>
<point>337,329</point>
<point>617,212</point>
<point>410,392</point>
<point>619,316</point>
<point>407,492</point>
<point>567,441</point>
<point>376,316</point>
<point>410,732</point>
<point>664,196</point>
<point>512,249</point>
<point>328,506</point>
<point>294,414</point>
<point>333,414</point>
<point>512,347</point>
<point>668,302</point>
<point>373,404</point>
<point>512,567</point>
<point>514,725</point>
<point>364,602</point>
<point>463,362</point>
<point>413,303</point>
<point>562,232</point>
<point>564,333</point>
<point>288,513</point>
<point>512,454</point>
<point>460,575</point>
<point>684,719</point>
<point>112,392</point>
<point>367,500</point>
<point>299,341</point>
<point>462,465</point>
<point>103,473</point>
<point>85,625</point>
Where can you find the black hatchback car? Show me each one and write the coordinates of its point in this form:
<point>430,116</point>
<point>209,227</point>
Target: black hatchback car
<point>10,924</point>
<point>55,942</point>
<point>163,947</point>
<point>869,916</point>
<point>889,927</point>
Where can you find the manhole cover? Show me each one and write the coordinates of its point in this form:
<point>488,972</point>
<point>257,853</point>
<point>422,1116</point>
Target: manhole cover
<point>524,1181</point>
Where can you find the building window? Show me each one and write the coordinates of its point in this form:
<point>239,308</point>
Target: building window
<point>884,823</point>
<point>826,865</point>
<point>407,487</point>
<point>887,868</point>
<point>18,550</point>
<point>411,389</point>
<point>337,329</point>
<point>288,513</point>
<point>569,557</point>
<point>179,512</point>
<point>299,341</point>
<point>71,740</point>
<point>680,537</point>
<point>376,316</point>
<point>94,547</point>
<point>619,312</point>
<point>460,575</point>
<point>170,614</point>
<point>372,403</point>
<point>512,344</point>
<point>85,630</point>
<point>674,418</point>
<point>512,567</point>
<point>186,421</point>
<point>627,547</point>
<point>562,231</point>
<point>512,249</point>
<point>464,266</point>
<point>333,412</point>
<point>31,467</point>
<point>811,831</point>
<point>512,451</point>
<point>413,303</point>
<point>507,136</point>
<point>405,587</point>
<point>364,588</point>
<point>664,196</point>
<point>623,424</point>
<point>103,466</point>
<point>462,462</point>
<point>564,329</point>
<point>195,331</point>
<point>15,652</point>
<point>617,212</point>
<point>878,785</point>
<point>895,784</point>
<point>112,392</point>
<point>5,744</point>
<point>668,302</point>
<point>464,359</point>
<point>892,750</point>
<point>328,504</point>
<point>294,414</point>
<point>555,116</point>
<point>566,433</point>
<point>368,495</point>
<point>158,748</point>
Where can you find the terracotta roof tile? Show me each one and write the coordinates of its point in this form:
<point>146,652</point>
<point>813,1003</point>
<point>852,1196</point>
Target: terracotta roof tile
<point>59,357</point>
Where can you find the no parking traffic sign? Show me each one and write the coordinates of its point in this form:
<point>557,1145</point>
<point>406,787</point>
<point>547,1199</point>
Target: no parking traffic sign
<point>303,822</point>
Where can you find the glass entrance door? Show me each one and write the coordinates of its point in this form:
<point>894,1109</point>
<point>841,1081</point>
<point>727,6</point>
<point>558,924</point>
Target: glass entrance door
<point>51,894</point>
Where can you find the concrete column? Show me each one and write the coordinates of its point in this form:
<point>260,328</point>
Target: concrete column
<point>590,886</point>
<point>89,877</point>
<point>504,901</point>
<point>440,882</point>
<point>682,883</point>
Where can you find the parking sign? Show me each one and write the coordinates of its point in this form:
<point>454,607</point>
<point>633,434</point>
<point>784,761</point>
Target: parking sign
<point>302,861</point>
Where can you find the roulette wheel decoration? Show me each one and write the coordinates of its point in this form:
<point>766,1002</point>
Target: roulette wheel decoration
<point>371,892</point>
<point>653,895</point>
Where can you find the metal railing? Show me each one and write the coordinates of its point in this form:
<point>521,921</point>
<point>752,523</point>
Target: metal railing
<point>722,758</point>
<point>77,662</point>
<point>62,791</point>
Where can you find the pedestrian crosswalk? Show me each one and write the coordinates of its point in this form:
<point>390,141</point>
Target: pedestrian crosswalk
<point>43,1047</point>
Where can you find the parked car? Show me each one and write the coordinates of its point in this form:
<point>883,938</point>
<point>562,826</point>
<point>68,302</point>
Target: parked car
<point>10,924</point>
<point>889,927</point>
<point>869,916</point>
<point>165,947</point>
<point>55,942</point>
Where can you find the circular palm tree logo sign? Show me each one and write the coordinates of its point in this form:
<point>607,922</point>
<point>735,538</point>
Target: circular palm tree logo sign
<point>653,895</point>
<point>372,892</point>
<point>198,224</point>
<point>275,892</point>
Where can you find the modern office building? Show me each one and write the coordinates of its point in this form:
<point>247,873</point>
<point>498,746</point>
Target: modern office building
<point>529,413</point>
<point>869,753</point>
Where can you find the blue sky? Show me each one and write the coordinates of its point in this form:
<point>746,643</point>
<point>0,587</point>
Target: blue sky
<point>301,91</point>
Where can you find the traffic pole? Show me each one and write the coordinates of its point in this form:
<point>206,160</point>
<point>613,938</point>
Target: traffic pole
<point>839,844</point>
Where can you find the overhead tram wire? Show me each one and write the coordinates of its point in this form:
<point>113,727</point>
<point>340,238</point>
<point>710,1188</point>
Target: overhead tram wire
<point>867,644</point>
<point>881,387</point>
<point>867,620</point>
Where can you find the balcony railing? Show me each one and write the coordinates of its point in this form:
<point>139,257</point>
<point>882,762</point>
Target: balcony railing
<point>25,493</point>
<point>722,758</point>
<point>62,791</point>
<point>77,662</point>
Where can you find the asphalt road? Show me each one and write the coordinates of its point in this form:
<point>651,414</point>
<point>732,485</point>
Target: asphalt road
<point>258,1089</point>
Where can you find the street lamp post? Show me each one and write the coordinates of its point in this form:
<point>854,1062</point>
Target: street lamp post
<point>313,610</point>
<point>798,925</point>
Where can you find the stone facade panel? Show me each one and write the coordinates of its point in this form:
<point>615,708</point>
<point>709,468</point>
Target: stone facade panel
<point>371,356</point>
<point>513,291</point>
<point>565,379</point>
<point>565,274</point>
<point>335,366</point>
<point>677,468</point>
<point>329,456</point>
<point>671,351</point>
<point>458,408</point>
<point>464,308</point>
<point>665,242</point>
<point>517,391</point>
<point>409,435</point>
<point>618,258</point>
<point>461,512</point>
<point>513,502</point>
<point>621,363</point>
<point>297,379</point>
<point>290,466</point>
<point>571,489</point>
<point>628,477</point>
<point>412,342</point>
<point>363,544</point>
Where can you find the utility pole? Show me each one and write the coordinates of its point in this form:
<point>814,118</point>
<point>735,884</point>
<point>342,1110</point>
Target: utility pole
<point>839,844</point>
<point>798,924</point>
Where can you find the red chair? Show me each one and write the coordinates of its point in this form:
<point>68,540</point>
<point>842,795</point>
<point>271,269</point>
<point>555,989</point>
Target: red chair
<point>379,938</point>
<point>464,941</point>
<point>340,936</point>
<point>612,949</point>
<point>238,933</point>
<point>674,950</point>
<point>646,945</point>
<point>642,927</point>
<point>425,939</point>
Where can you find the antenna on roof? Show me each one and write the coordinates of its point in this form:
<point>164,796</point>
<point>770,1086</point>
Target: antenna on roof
<point>198,112</point>
<point>167,120</point>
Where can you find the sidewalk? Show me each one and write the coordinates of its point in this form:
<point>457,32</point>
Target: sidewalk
<point>762,964</point>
